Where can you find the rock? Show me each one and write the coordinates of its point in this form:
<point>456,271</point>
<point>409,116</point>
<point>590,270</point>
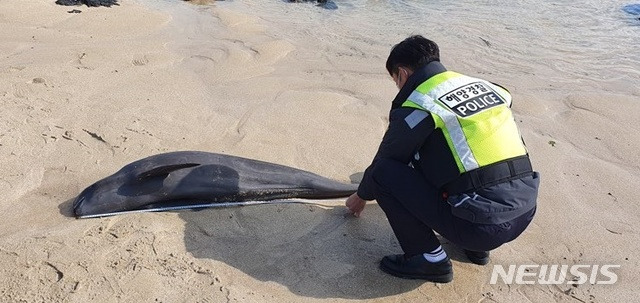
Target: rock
<point>95,3</point>
<point>327,4</point>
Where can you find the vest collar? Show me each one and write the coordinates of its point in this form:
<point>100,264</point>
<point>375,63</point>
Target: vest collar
<point>418,77</point>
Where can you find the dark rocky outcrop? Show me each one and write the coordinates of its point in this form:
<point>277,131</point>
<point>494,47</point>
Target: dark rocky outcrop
<point>328,4</point>
<point>107,3</point>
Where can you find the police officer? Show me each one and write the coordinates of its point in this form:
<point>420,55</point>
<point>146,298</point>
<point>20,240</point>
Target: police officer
<point>451,161</point>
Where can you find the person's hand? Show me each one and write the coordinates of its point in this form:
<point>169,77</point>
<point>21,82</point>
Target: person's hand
<point>355,204</point>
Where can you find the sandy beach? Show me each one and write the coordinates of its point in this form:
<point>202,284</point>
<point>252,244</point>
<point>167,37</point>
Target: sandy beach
<point>83,94</point>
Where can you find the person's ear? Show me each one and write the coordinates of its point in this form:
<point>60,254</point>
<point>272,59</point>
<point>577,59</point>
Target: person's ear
<point>401,71</point>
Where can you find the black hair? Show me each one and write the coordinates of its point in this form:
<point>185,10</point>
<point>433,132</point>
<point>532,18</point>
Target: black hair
<point>413,52</point>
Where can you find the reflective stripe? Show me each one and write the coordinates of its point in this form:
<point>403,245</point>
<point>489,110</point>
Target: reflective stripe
<point>503,92</point>
<point>449,85</point>
<point>415,117</point>
<point>451,122</point>
<point>465,199</point>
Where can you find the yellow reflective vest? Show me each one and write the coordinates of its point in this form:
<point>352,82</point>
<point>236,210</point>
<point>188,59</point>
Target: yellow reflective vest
<point>474,116</point>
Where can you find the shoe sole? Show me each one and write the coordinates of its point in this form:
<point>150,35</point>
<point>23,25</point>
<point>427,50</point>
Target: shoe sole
<point>446,278</point>
<point>476,260</point>
<point>484,261</point>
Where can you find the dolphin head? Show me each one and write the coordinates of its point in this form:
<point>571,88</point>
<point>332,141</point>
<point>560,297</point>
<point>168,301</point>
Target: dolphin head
<point>131,187</point>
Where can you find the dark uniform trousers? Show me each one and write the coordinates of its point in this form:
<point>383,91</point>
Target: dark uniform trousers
<point>415,209</point>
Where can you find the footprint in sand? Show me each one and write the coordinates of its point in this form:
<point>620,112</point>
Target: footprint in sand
<point>22,90</point>
<point>16,68</point>
<point>140,61</point>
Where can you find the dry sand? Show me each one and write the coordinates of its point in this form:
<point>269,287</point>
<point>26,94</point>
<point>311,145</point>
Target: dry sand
<point>83,94</point>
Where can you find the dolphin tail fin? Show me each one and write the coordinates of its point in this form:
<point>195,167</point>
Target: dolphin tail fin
<point>164,170</point>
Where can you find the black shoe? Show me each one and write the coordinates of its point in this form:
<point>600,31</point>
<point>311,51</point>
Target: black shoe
<point>477,257</point>
<point>417,267</point>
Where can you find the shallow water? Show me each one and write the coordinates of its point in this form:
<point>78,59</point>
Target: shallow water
<point>582,44</point>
